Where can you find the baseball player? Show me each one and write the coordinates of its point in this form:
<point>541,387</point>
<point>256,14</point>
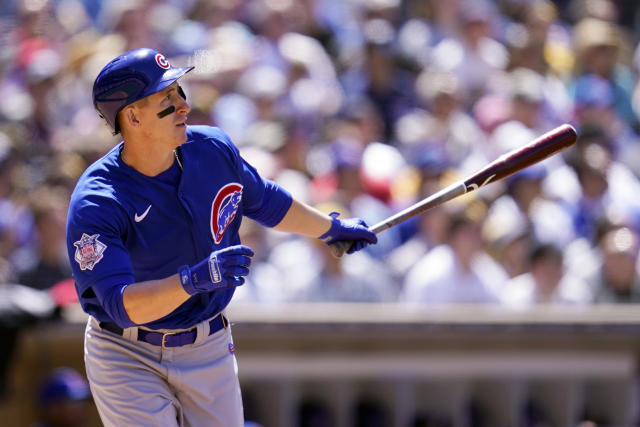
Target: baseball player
<point>152,236</point>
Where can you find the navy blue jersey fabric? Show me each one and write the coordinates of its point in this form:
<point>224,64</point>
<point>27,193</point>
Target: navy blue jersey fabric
<point>125,227</point>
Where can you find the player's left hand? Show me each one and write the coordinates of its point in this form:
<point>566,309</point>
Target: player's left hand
<point>352,230</point>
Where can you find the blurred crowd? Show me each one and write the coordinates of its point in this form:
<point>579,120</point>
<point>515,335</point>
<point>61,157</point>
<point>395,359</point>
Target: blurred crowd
<point>357,106</point>
<point>361,107</point>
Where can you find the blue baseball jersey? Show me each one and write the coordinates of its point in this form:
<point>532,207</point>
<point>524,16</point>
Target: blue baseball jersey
<point>125,227</point>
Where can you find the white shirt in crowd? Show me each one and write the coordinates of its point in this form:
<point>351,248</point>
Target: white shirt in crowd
<point>439,279</point>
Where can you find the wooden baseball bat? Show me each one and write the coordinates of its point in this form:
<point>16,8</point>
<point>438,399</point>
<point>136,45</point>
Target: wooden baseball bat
<point>537,150</point>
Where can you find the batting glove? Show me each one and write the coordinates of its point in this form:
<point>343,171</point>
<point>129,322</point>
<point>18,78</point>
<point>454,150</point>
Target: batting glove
<point>352,230</point>
<point>221,270</point>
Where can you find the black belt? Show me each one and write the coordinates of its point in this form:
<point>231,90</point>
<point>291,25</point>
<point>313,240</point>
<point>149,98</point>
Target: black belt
<point>169,339</point>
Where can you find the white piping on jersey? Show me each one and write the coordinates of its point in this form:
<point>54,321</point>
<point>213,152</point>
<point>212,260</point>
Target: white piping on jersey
<point>175,154</point>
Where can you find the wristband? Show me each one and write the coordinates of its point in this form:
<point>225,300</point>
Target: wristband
<point>184,273</point>
<point>330,232</point>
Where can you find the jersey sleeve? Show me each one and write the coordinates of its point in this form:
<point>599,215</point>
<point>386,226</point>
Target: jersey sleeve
<point>100,262</point>
<point>263,200</point>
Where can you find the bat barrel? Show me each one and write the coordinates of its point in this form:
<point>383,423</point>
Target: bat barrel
<point>537,150</point>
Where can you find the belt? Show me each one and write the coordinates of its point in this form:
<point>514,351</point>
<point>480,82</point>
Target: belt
<point>169,339</point>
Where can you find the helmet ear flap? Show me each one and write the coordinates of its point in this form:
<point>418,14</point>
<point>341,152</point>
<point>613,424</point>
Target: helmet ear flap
<point>116,125</point>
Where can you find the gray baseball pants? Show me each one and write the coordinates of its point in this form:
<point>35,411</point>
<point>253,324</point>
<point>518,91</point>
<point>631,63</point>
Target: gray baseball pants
<point>141,384</point>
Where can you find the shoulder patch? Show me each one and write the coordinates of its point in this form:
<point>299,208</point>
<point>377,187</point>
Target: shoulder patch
<point>89,251</point>
<point>224,208</point>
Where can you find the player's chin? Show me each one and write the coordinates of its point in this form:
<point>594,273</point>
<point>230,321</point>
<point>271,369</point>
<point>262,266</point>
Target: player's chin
<point>181,129</point>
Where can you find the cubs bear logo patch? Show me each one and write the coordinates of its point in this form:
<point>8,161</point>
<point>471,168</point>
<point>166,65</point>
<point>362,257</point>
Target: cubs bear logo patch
<point>89,251</point>
<point>224,208</point>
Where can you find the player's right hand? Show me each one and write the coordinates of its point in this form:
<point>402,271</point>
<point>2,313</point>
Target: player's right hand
<point>352,231</point>
<point>223,269</point>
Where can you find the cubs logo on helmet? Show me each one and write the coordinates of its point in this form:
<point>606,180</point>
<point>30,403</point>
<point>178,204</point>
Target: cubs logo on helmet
<point>224,208</point>
<point>162,61</point>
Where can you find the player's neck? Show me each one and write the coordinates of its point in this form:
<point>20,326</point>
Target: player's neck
<point>148,160</point>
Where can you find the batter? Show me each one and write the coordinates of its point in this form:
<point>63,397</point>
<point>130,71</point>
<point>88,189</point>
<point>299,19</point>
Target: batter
<point>152,236</point>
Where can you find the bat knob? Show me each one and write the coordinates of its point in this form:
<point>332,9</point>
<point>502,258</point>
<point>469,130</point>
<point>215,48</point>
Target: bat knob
<point>338,249</point>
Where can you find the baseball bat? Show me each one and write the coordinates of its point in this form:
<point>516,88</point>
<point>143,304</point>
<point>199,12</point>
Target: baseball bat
<point>537,150</point>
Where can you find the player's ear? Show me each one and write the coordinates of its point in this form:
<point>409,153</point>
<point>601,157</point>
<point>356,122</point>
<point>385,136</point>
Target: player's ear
<point>129,117</point>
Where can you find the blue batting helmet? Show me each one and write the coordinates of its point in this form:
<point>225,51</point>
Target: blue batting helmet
<point>130,77</point>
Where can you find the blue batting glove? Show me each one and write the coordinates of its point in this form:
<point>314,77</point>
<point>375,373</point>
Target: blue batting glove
<point>352,230</point>
<point>223,269</point>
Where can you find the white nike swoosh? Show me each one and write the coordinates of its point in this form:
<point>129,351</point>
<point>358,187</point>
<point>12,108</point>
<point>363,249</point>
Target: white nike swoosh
<point>139,218</point>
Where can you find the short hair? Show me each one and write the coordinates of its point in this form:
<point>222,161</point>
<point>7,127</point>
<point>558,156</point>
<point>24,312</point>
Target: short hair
<point>542,251</point>
<point>139,103</point>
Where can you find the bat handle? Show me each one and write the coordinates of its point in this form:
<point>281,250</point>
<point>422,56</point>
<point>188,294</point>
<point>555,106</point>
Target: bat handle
<point>340,248</point>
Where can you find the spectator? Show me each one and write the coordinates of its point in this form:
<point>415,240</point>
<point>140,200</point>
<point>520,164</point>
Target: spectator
<point>459,271</point>
<point>353,279</point>
<point>617,280</point>
<point>509,239</point>
<point>474,56</point>
<point>16,222</point>
<point>537,41</point>
<point>525,202</point>
<point>595,108</point>
<point>606,185</point>
<point>429,230</point>
<point>315,275</point>
<point>63,400</point>
<point>599,45</point>
<point>545,282</point>
<point>525,95</point>
<point>443,125</point>
<point>49,207</point>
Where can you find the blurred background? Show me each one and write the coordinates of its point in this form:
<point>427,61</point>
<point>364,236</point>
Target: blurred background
<point>514,306</point>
